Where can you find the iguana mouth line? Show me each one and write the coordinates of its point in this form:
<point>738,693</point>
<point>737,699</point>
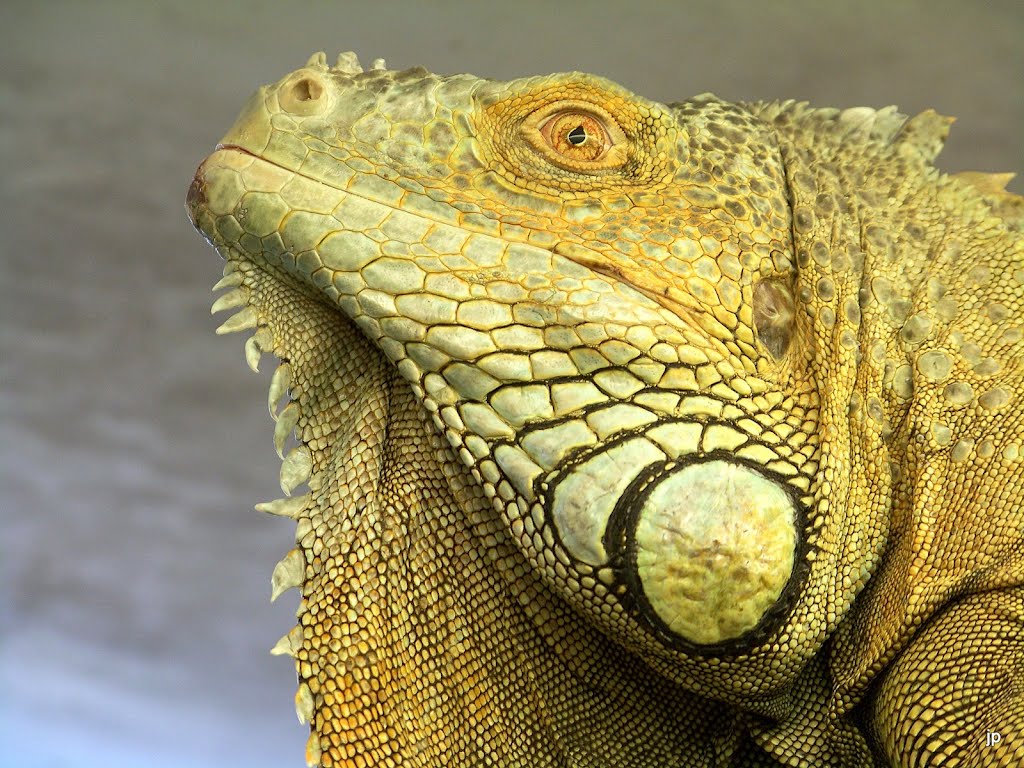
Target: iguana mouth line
<point>316,180</point>
<point>239,148</point>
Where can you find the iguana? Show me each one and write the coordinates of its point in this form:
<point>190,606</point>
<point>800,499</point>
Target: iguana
<point>635,434</point>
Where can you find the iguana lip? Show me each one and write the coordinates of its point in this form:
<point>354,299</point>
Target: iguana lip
<point>239,148</point>
<point>228,147</point>
<point>196,197</point>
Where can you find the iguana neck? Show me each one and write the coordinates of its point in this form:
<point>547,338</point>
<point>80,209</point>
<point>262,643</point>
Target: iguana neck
<point>892,265</point>
<point>405,569</point>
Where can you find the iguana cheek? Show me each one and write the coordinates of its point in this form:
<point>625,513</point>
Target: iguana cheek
<point>704,548</point>
<point>713,548</point>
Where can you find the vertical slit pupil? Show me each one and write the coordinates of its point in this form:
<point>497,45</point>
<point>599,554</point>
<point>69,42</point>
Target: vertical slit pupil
<point>577,136</point>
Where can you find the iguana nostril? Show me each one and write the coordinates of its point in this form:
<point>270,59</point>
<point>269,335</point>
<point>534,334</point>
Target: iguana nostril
<point>304,94</point>
<point>307,89</point>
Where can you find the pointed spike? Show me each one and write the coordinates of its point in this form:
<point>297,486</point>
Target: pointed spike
<point>1001,180</point>
<point>296,469</point>
<point>289,644</point>
<point>314,753</point>
<point>290,506</point>
<point>378,65</point>
<point>283,648</point>
<point>857,120</point>
<point>302,529</point>
<point>288,574</point>
<point>986,183</point>
<point>236,298</point>
<point>230,280</point>
<point>252,354</point>
<point>240,321</point>
<point>304,704</point>
<point>286,421</point>
<point>280,382</point>
<point>925,132</point>
<point>888,120</point>
<point>265,338</point>
<point>261,341</point>
<point>348,63</point>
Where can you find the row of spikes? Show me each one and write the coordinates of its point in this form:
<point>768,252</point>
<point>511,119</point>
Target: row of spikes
<point>296,468</point>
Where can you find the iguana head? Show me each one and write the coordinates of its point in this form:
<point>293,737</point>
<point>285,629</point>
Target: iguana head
<point>597,299</point>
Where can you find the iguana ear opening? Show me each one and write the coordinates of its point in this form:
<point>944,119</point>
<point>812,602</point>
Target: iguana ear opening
<point>774,315</point>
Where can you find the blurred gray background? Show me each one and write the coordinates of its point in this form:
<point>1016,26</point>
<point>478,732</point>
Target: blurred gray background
<point>134,574</point>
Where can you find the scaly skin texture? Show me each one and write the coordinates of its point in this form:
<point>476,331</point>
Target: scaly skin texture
<point>634,434</point>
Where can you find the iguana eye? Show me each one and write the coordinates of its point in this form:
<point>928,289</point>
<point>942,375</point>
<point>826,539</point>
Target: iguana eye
<point>576,136</point>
